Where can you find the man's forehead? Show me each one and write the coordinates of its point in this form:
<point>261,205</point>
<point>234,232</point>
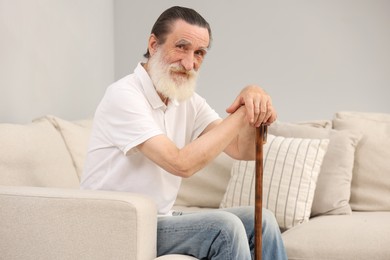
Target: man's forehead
<point>187,42</point>
<point>188,34</point>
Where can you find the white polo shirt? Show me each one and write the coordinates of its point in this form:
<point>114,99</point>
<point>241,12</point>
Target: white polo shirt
<point>130,113</point>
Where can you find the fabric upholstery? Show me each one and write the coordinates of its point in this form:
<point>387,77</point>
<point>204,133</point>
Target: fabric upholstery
<point>333,189</point>
<point>206,188</point>
<point>370,189</point>
<point>47,223</point>
<point>327,124</point>
<point>360,236</point>
<point>76,137</point>
<point>291,168</point>
<point>176,257</point>
<point>35,155</point>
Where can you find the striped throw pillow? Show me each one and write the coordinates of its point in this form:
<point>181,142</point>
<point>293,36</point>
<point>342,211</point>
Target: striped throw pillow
<point>291,168</point>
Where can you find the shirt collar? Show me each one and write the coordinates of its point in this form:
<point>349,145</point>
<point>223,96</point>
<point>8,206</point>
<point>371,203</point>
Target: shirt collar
<point>149,89</point>
<point>147,84</point>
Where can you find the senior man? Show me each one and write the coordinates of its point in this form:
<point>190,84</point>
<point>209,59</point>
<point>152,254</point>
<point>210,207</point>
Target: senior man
<point>151,130</point>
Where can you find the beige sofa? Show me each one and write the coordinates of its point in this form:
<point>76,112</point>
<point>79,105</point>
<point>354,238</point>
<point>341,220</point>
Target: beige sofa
<point>339,209</point>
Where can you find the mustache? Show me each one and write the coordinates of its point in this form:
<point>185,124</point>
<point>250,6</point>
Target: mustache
<point>180,69</point>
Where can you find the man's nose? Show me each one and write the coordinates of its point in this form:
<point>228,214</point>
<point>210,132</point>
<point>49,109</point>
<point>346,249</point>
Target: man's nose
<point>188,61</point>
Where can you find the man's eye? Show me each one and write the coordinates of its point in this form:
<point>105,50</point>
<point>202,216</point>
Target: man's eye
<point>180,46</point>
<point>200,53</point>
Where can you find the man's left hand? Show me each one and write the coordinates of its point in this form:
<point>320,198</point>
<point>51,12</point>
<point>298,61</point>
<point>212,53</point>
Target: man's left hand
<point>258,105</point>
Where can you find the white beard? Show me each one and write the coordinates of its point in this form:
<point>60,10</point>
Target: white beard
<point>175,87</point>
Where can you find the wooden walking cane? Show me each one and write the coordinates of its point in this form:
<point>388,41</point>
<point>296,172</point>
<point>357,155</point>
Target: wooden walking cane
<point>261,138</point>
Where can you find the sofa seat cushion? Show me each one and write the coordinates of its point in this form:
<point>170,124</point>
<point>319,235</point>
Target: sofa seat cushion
<point>176,257</point>
<point>35,155</point>
<point>190,209</point>
<point>362,235</point>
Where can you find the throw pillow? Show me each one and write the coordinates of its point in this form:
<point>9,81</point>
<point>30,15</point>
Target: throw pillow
<point>76,137</point>
<point>291,168</point>
<point>371,174</point>
<point>333,189</point>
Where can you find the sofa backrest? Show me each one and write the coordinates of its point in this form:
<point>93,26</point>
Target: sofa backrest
<point>35,155</point>
<point>207,187</point>
<point>75,135</point>
<point>50,152</point>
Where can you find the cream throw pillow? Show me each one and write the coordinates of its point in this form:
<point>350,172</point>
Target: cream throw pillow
<point>291,168</point>
<point>371,174</point>
<point>333,189</point>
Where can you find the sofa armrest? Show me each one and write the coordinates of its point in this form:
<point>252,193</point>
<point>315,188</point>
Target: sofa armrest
<point>49,223</point>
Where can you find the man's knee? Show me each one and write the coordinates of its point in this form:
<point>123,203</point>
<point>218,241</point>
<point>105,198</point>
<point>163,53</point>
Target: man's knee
<point>270,225</point>
<point>225,221</point>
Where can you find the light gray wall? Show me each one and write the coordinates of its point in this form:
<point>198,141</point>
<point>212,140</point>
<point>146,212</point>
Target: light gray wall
<point>56,57</point>
<point>313,57</point>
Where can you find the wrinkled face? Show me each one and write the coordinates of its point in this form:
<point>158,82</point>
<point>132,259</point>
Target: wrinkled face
<point>173,66</point>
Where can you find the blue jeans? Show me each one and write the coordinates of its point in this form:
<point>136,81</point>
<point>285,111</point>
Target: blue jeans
<point>224,234</point>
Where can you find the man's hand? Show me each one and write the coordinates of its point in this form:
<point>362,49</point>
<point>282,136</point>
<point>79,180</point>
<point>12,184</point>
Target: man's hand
<point>258,105</point>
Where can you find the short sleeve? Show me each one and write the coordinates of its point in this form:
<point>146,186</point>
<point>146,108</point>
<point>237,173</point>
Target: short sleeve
<point>126,118</point>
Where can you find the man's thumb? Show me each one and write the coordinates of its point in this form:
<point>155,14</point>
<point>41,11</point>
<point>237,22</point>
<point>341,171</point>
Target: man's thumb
<point>234,106</point>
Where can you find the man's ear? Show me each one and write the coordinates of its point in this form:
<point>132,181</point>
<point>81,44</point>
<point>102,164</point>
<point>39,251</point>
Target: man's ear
<point>152,44</point>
